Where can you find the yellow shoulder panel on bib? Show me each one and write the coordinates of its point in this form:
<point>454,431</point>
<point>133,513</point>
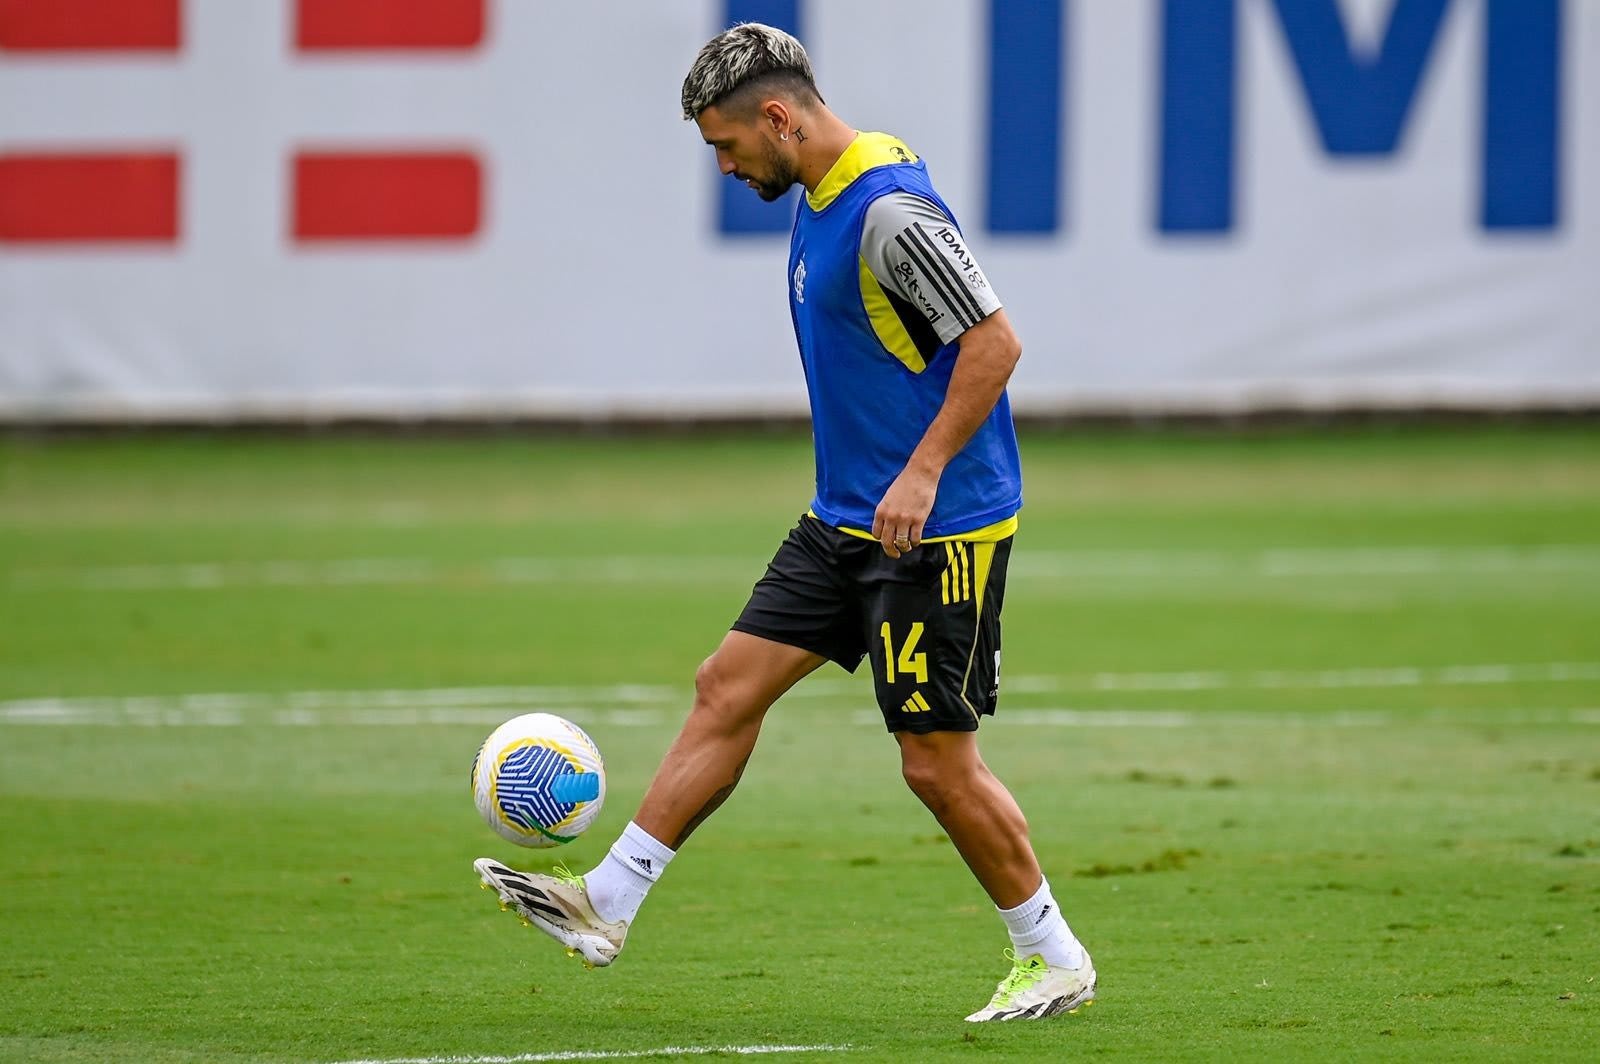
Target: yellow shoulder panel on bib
<point>890,330</point>
<point>868,151</point>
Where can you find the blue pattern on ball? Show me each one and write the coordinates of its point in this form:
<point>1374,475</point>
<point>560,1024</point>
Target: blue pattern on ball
<point>525,788</point>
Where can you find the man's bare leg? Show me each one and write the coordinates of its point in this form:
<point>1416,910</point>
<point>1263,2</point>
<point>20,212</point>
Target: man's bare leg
<point>733,690</point>
<point>1052,972</point>
<point>976,811</point>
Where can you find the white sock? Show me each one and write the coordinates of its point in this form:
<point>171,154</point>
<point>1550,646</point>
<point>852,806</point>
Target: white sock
<point>1036,926</point>
<point>618,884</point>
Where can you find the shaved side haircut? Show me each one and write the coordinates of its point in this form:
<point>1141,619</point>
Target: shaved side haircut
<point>739,64</point>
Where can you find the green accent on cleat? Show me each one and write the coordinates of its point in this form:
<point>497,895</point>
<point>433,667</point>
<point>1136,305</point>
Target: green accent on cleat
<point>562,874</point>
<point>1024,973</point>
<point>1034,990</point>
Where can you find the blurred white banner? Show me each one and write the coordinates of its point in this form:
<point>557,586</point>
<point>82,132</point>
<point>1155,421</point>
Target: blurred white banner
<point>1185,205</point>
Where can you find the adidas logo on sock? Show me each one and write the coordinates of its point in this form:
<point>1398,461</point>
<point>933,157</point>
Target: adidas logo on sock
<point>644,863</point>
<point>1042,914</point>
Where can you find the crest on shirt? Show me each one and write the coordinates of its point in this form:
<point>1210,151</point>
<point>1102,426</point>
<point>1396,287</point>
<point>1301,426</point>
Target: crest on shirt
<point>800,281</point>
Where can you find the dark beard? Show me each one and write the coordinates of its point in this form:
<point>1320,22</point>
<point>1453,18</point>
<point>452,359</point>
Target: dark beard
<point>772,191</point>
<point>782,179</point>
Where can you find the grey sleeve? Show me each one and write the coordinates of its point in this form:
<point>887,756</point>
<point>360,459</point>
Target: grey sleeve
<point>918,254</point>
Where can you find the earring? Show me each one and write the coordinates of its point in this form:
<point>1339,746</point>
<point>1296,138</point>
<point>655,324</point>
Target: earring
<point>783,136</point>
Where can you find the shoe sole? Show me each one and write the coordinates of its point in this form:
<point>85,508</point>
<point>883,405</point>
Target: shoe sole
<point>576,943</point>
<point>1069,1005</point>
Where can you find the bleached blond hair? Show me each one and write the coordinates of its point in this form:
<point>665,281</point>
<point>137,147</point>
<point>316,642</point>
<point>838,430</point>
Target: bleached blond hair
<point>743,56</point>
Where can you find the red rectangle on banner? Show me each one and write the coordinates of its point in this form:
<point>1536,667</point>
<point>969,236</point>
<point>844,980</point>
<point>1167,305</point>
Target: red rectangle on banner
<point>382,24</point>
<point>90,25</point>
<point>89,197</point>
<point>386,195</point>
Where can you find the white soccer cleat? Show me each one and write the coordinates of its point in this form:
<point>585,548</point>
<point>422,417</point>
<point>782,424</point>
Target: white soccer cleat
<point>559,906</point>
<point>1035,990</point>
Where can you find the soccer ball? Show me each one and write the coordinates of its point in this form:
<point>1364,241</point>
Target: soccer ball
<point>538,780</point>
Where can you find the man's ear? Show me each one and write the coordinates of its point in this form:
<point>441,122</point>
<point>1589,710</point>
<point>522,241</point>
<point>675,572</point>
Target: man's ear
<point>777,115</point>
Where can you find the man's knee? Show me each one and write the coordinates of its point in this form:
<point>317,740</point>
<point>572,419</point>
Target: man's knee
<point>922,776</point>
<point>712,684</point>
<point>937,766</point>
<point>719,695</point>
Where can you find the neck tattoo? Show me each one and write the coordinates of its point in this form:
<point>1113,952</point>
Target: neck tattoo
<point>799,135</point>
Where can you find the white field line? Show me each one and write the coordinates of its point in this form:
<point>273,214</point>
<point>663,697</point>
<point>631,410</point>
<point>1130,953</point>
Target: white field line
<point>597,1054</point>
<point>1064,717</point>
<point>56,713</point>
<point>1274,563</point>
<point>618,705</point>
<point>1401,676</point>
<point>1270,679</point>
<point>155,713</point>
<point>649,705</point>
<point>111,713</point>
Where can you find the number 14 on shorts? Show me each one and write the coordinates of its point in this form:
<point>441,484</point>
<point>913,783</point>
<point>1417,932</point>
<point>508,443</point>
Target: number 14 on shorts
<point>908,661</point>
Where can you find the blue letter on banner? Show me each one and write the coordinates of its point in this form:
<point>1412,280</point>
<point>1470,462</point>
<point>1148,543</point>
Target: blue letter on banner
<point>1197,86</point>
<point>1522,115</point>
<point>1025,115</point>
<point>1360,105</point>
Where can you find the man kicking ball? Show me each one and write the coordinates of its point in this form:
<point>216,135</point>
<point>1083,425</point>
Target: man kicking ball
<point>902,556</point>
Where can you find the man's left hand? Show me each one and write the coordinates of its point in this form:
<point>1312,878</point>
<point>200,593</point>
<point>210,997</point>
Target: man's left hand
<point>904,510</point>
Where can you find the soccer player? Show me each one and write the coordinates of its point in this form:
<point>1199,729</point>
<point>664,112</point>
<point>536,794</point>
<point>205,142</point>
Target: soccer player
<point>902,556</point>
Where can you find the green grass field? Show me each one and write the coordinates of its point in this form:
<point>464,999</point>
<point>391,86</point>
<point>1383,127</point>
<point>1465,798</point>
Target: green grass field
<point>1307,727</point>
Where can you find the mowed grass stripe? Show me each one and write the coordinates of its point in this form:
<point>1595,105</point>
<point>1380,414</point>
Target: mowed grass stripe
<point>1050,716</point>
<point>1271,563</point>
<point>478,704</point>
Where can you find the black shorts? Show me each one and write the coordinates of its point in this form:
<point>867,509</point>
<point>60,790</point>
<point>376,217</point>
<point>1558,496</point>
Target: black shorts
<point>929,620</point>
